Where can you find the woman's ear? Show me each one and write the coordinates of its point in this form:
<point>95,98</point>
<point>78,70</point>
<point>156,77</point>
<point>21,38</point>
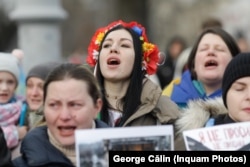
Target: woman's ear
<point>98,106</point>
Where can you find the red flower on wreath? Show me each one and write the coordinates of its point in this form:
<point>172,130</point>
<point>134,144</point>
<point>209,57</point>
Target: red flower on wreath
<point>150,51</point>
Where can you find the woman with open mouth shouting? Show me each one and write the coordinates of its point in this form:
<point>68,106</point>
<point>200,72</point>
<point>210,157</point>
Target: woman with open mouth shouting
<point>122,58</point>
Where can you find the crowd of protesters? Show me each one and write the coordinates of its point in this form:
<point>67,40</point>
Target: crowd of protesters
<point>114,90</point>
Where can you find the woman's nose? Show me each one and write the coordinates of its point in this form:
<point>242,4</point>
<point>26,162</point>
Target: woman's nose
<point>248,94</point>
<point>34,91</point>
<point>114,48</point>
<point>211,51</point>
<point>65,114</point>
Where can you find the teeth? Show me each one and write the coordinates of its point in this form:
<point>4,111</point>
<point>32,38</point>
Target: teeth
<point>113,61</point>
<point>66,131</point>
<point>36,101</point>
<point>67,128</point>
<point>211,62</point>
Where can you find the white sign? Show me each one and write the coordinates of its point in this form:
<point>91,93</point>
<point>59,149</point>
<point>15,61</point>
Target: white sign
<point>93,145</point>
<point>235,136</point>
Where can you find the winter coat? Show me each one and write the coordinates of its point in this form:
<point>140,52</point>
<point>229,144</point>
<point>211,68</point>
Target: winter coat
<point>154,109</point>
<point>37,151</point>
<point>31,118</point>
<point>183,89</point>
<point>196,115</point>
<point>5,156</point>
<point>9,115</point>
<point>165,72</point>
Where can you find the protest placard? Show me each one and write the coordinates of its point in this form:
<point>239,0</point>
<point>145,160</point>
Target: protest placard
<point>93,146</point>
<point>235,136</point>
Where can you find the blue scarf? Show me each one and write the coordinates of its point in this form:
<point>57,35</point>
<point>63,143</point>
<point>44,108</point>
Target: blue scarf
<point>189,89</point>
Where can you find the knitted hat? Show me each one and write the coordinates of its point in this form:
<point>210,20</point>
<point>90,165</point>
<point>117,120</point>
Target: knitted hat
<point>41,70</point>
<point>238,67</point>
<point>9,63</point>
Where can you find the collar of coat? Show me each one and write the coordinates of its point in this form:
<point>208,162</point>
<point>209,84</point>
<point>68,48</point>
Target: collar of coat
<point>197,112</point>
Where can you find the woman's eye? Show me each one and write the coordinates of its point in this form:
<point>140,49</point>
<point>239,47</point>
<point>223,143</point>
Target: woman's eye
<point>40,87</point>
<point>220,49</point>
<point>75,105</point>
<point>239,89</point>
<point>202,49</point>
<point>106,45</point>
<point>125,46</point>
<point>29,86</point>
<point>51,104</point>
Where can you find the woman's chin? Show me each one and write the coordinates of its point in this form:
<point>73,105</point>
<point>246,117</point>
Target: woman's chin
<point>67,141</point>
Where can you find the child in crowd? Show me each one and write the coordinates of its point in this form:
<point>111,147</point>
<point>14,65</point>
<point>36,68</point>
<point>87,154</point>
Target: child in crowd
<point>10,105</point>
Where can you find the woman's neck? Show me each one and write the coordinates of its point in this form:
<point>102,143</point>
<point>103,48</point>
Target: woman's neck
<point>68,151</point>
<point>115,91</point>
<point>211,88</point>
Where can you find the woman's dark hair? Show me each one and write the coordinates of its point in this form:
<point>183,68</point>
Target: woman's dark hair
<point>131,100</point>
<point>74,71</point>
<point>226,37</point>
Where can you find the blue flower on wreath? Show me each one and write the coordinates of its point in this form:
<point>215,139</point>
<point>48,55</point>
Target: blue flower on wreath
<point>137,30</point>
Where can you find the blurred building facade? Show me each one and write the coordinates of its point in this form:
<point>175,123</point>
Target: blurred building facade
<point>162,20</point>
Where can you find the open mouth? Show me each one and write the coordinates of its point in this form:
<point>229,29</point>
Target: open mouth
<point>113,61</point>
<point>3,95</point>
<point>36,100</point>
<point>67,130</point>
<point>66,127</point>
<point>211,63</point>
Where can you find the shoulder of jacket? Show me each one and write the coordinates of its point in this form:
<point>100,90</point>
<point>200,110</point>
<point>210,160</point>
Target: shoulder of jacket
<point>150,91</point>
<point>197,113</point>
<point>167,91</point>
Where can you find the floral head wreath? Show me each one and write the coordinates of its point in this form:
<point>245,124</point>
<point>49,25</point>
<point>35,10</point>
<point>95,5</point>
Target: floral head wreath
<point>150,51</point>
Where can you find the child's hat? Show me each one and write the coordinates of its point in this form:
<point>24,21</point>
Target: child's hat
<point>9,63</point>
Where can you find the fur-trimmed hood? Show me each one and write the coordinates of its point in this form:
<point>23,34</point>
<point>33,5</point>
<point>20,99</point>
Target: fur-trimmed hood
<point>198,112</point>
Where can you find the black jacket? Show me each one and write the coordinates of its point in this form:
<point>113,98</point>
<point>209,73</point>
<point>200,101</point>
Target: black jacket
<point>165,72</point>
<point>5,156</point>
<point>37,151</point>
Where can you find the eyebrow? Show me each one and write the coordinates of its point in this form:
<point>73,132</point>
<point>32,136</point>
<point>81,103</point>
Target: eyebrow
<point>208,44</point>
<point>238,83</point>
<point>122,39</point>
